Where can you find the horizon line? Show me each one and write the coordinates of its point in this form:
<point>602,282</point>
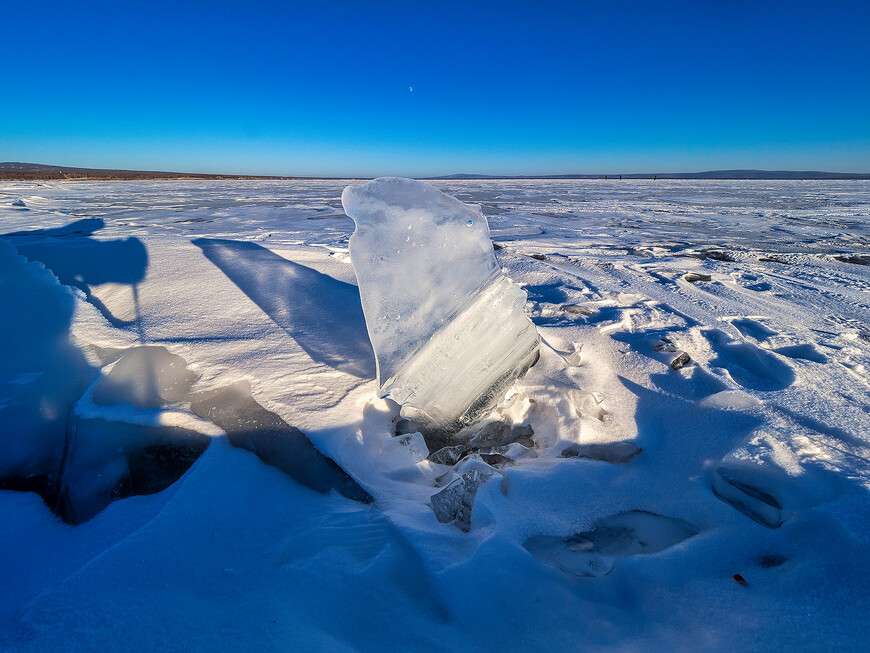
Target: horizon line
<point>22,171</point>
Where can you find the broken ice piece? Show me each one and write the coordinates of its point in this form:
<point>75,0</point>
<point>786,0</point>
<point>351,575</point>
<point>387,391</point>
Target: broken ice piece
<point>455,502</point>
<point>739,491</point>
<point>449,455</point>
<point>681,361</point>
<point>448,328</point>
<point>496,434</point>
<point>404,450</point>
<point>579,310</point>
<point>496,460</point>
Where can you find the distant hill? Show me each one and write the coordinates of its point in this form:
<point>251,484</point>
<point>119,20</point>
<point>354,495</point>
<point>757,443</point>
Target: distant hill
<point>710,174</point>
<point>14,170</point>
<point>767,174</point>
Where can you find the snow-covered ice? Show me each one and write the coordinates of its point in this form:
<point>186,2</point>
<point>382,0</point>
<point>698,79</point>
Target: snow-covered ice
<point>187,375</point>
<point>449,329</point>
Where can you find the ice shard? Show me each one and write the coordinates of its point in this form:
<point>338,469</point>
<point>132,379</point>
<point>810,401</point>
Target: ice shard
<point>448,328</point>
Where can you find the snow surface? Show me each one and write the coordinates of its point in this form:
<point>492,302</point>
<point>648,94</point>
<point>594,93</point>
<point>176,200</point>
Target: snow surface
<point>752,458</point>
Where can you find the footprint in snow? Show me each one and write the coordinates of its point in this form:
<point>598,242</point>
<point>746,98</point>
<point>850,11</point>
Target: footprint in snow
<point>594,552</point>
<point>805,351</point>
<point>748,365</point>
<point>753,329</point>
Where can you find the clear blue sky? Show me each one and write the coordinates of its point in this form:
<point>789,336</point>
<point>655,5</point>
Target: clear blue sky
<point>322,88</point>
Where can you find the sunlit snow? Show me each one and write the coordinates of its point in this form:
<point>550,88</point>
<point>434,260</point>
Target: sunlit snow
<point>189,393</point>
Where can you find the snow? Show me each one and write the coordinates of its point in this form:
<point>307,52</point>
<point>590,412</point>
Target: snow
<point>449,330</point>
<point>619,522</point>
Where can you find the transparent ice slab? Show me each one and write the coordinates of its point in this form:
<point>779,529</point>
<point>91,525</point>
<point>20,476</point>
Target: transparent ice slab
<point>448,328</point>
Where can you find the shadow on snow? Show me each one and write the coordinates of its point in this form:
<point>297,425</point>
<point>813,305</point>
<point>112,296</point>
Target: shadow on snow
<point>322,314</point>
<point>79,260</point>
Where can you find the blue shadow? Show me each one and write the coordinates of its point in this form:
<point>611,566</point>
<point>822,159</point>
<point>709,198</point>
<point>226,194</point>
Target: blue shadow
<point>322,314</point>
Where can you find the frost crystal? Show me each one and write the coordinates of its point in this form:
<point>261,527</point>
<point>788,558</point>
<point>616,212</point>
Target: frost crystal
<point>448,328</point>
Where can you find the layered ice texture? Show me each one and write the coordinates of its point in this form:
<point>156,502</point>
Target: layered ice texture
<point>448,328</point>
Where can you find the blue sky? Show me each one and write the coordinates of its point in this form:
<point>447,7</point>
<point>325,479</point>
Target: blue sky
<point>323,88</point>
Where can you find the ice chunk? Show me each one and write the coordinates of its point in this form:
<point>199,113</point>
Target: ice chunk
<point>42,374</point>
<point>448,328</point>
<point>455,502</point>
<point>747,497</point>
<point>405,450</point>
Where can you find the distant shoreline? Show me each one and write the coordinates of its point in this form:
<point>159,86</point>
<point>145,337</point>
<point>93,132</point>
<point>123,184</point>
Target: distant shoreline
<point>15,171</point>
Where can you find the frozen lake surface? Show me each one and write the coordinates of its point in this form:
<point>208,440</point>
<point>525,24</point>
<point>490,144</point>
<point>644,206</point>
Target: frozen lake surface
<point>701,410</point>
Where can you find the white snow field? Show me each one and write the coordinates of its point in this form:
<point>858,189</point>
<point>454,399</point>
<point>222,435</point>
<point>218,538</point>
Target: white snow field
<point>188,391</point>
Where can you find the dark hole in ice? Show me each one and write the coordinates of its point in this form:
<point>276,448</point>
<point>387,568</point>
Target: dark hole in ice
<point>156,467</point>
<point>250,426</point>
<point>42,484</point>
<point>107,461</point>
<point>496,434</point>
